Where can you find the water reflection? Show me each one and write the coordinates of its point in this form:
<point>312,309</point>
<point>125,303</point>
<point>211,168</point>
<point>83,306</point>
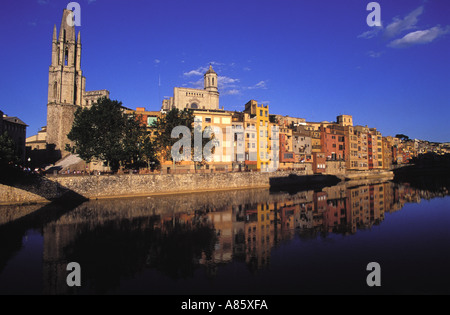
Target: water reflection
<point>177,235</point>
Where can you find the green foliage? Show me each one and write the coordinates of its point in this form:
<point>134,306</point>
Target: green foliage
<point>273,119</point>
<point>106,133</point>
<point>402,137</point>
<point>164,126</point>
<point>8,154</point>
<point>148,152</point>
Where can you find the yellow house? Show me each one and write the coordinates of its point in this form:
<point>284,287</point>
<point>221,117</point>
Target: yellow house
<point>260,113</point>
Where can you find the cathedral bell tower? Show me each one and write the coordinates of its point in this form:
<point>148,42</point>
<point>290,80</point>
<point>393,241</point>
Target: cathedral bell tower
<point>210,78</point>
<point>65,84</point>
<point>211,86</point>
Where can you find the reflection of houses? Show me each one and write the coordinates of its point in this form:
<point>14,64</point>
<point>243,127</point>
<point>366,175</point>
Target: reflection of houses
<point>258,235</point>
<point>223,225</point>
<point>212,235</point>
<point>337,217</point>
<point>367,205</point>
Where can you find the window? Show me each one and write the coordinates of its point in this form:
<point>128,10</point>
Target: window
<point>207,119</point>
<point>55,90</point>
<point>260,112</point>
<point>66,57</point>
<point>288,156</point>
<point>213,81</point>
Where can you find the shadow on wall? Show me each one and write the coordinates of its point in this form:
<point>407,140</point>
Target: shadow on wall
<point>294,183</point>
<point>37,184</point>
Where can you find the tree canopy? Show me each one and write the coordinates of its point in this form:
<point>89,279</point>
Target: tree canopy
<point>105,132</point>
<point>164,126</point>
<point>8,154</point>
<point>402,137</point>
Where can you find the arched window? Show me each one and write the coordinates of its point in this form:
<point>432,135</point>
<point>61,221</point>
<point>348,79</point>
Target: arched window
<point>66,57</point>
<point>212,81</point>
<point>194,106</point>
<point>55,90</point>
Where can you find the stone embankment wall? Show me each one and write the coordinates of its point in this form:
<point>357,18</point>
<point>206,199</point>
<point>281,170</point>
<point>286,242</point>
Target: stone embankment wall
<point>357,175</point>
<point>51,188</point>
<point>97,187</point>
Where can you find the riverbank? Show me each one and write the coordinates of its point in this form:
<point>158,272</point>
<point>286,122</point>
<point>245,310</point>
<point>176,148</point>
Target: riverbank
<point>53,188</point>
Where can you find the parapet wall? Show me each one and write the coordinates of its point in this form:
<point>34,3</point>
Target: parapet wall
<point>97,187</point>
<point>51,188</point>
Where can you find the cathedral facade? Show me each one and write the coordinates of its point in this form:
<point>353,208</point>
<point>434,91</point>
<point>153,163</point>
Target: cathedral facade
<point>208,98</point>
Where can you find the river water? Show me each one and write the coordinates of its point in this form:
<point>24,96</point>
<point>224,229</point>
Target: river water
<point>235,242</point>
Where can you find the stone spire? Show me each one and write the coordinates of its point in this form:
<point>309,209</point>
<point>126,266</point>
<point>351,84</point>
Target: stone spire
<point>66,31</point>
<point>54,34</point>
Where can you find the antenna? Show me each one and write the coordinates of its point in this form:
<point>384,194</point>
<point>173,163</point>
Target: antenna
<point>159,90</point>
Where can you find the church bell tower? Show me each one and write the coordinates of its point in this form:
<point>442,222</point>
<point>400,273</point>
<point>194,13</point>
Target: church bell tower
<point>210,79</point>
<point>65,84</point>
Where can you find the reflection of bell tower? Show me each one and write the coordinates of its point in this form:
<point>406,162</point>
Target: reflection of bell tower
<point>65,84</point>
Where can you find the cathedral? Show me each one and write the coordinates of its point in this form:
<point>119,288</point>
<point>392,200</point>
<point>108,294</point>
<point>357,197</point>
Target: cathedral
<point>67,92</point>
<point>208,98</point>
<point>66,88</point>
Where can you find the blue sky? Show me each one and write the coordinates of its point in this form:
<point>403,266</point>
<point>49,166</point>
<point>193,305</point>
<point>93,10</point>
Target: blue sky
<point>309,59</point>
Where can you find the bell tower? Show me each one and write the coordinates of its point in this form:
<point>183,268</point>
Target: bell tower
<point>211,86</point>
<point>211,80</point>
<point>65,84</point>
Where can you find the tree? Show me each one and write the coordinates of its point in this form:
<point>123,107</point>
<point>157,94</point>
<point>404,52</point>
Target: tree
<point>402,137</point>
<point>164,126</point>
<point>148,152</point>
<point>164,141</point>
<point>8,154</point>
<point>105,132</point>
<point>199,157</point>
